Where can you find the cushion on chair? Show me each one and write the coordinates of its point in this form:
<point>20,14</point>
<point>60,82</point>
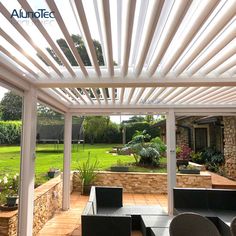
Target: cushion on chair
<point>233,227</point>
<point>187,224</point>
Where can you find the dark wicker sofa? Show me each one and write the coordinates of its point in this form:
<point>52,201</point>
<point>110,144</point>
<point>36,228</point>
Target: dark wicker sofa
<point>105,214</point>
<point>219,205</point>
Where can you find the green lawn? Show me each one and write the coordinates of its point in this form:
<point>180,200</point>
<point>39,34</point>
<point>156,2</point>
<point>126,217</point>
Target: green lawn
<point>48,156</point>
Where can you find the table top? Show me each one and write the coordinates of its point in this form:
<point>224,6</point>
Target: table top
<point>156,220</point>
<point>160,231</point>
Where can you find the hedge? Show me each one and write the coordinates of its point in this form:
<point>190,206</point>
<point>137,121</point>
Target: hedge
<point>10,132</point>
<point>140,126</point>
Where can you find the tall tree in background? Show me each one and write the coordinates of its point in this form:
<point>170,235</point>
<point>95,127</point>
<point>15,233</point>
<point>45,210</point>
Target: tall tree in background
<point>11,107</point>
<point>95,126</point>
<point>79,44</point>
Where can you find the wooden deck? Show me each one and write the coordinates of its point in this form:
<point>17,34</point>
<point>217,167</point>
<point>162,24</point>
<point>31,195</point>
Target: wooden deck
<point>222,182</point>
<point>67,223</point>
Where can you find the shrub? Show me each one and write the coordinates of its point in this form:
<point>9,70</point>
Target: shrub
<point>131,128</point>
<point>143,152</point>
<point>183,152</point>
<point>213,159</point>
<point>159,145</point>
<point>10,132</point>
<point>197,157</point>
<point>149,156</point>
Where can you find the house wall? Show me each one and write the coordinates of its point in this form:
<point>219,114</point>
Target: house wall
<point>145,182</point>
<point>230,145</point>
<point>182,134</point>
<point>47,200</point>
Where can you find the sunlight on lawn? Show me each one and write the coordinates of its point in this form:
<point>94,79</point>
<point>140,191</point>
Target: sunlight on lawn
<point>48,156</point>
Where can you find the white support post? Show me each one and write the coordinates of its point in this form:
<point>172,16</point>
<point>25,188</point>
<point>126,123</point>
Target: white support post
<point>171,158</point>
<point>26,206</point>
<point>67,162</point>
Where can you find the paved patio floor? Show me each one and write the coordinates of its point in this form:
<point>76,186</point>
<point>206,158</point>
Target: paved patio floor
<point>69,222</point>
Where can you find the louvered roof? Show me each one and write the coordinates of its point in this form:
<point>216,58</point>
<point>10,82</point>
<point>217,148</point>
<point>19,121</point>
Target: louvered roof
<point>157,53</point>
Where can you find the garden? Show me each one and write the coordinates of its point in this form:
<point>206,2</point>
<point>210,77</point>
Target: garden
<point>143,150</point>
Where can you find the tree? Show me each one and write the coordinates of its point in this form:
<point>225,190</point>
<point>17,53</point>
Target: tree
<point>11,107</point>
<point>79,44</point>
<point>134,119</point>
<point>95,126</point>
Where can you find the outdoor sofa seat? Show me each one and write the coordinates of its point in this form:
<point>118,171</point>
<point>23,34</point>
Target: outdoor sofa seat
<point>219,205</point>
<point>104,214</point>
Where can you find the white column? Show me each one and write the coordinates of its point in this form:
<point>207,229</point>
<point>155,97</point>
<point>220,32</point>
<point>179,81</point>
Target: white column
<point>171,158</point>
<point>28,139</point>
<point>67,162</point>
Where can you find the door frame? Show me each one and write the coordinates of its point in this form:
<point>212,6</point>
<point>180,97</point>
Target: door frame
<point>208,135</point>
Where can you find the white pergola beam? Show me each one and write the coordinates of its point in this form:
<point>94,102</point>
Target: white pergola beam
<point>204,10</point>
<point>139,95</point>
<point>222,56</point>
<point>218,23</point>
<point>122,92</point>
<point>87,95</point>
<point>219,43</point>
<point>155,15</point>
<point>87,34</point>
<point>28,38</point>
<point>96,95</point>
<point>63,95</point>
<point>25,5</point>
<point>227,65</point>
<point>7,53</point>
<point>104,94</point>
<point>67,36</point>
<point>128,35</point>
<point>119,28</point>
<point>13,78</point>
<point>141,19</point>
<point>171,158</point>
<point>47,97</point>
<point>173,95</point>
<point>79,95</point>
<point>141,82</point>
<point>108,37</point>
<point>67,162</point>
<point>27,166</point>
<point>201,94</point>
<point>22,51</point>
<point>214,94</point>
<point>166,39</point>
<point>131,93</point>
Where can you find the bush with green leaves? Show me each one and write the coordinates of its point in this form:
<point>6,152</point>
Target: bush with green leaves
<point>197,157</point>
<point>87,171</point>
<point>9,186</point>
<point>213,159</point>
<point>159,145</point>
<point>10,132</point>
<point>149,156</point>
<point>132,127</point>
<point>144,152</point>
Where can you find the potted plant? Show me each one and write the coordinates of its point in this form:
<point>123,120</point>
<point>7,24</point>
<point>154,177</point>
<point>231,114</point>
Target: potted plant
<point>120,167</point>
<point>53,172</point>
<point>9,192</point>
<point>182,156</point>
<point>189,170</point>
<point>87,173</point>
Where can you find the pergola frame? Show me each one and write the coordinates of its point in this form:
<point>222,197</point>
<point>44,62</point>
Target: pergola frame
<point>185,65</point>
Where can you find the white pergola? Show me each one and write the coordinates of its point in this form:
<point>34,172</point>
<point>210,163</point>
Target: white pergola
<point>174,57</point>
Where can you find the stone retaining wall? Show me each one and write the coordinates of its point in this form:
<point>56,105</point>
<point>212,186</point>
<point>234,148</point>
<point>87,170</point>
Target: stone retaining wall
<point>230,146</point>
<point>47,200</point>
<point>145,182</point>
